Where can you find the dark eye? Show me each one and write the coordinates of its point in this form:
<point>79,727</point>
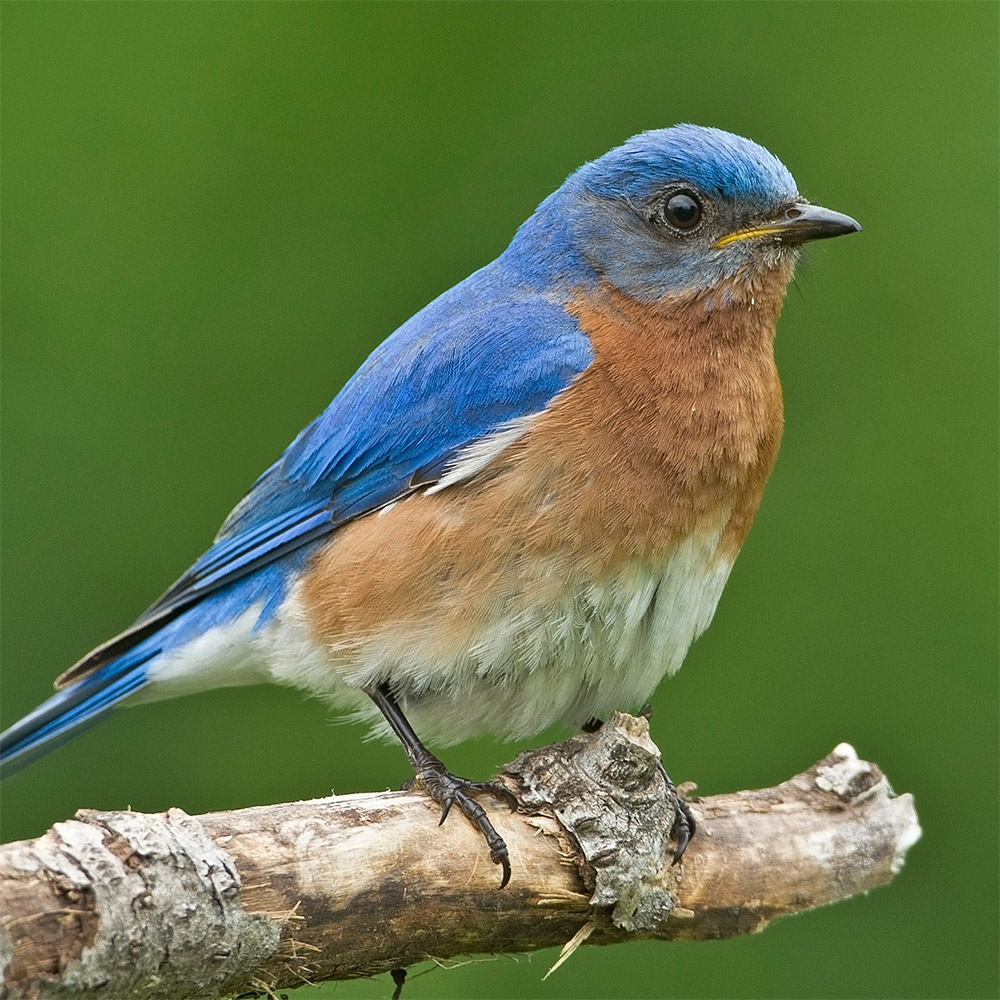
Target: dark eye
<point>682,211</point>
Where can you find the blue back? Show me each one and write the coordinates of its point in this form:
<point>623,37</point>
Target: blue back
<point>460,369</point>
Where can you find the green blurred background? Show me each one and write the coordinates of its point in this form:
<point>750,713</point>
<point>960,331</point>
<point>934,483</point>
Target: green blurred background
<point>213,212</point>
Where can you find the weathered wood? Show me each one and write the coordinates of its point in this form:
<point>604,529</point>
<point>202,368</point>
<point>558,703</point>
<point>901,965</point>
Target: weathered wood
<point>255,900</point>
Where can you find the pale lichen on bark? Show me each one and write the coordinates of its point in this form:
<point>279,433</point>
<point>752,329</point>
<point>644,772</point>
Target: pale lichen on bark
<point>151,897</point>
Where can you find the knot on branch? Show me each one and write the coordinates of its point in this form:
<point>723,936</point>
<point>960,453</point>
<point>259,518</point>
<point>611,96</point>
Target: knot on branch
<point>609,792</point>
<point>851,780</point>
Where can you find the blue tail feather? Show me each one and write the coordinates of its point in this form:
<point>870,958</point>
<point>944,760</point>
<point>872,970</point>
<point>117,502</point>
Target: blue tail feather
<point>68,712</point>
<point>124,671</point>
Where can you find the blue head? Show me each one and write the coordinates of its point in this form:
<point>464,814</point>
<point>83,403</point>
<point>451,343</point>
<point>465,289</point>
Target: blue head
<point>680,210</point>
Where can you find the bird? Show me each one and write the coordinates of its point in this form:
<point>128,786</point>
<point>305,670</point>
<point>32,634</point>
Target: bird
<point>523,507</point>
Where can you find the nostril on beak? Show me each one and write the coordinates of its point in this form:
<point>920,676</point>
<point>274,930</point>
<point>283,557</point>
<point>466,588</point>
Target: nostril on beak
<point>793,213</point>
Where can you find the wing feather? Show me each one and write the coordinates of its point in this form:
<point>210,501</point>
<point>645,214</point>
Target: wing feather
<point>445,380</point>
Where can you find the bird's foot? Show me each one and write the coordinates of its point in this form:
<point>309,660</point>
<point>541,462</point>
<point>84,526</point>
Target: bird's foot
<point>448,790</point>
<point>684,826</point>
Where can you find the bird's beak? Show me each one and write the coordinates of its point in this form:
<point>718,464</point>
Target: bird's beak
<point>799,224</point>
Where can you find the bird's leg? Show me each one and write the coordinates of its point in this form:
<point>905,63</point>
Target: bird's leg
<point>440,784</point>
<point>684,826</point>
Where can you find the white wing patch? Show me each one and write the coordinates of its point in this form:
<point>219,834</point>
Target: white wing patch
<point>476,456</point>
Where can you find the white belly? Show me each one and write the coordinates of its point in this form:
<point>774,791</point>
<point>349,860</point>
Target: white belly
<point>598,647</point>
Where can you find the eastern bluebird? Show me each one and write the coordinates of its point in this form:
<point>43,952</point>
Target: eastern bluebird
<point>522,509</point>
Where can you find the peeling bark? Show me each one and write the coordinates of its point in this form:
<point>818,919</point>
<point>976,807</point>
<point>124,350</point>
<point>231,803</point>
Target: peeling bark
<point>256,900</point>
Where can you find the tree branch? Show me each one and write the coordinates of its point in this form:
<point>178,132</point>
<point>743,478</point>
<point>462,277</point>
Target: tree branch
<point>255,900</point>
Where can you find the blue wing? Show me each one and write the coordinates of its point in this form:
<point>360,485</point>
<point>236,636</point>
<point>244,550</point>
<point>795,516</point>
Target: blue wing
<point>451,375</point>
<point>460,370</point>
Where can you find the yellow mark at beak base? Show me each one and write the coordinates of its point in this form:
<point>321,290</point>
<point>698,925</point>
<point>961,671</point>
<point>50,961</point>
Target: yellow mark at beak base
<point>748,234</point>
<point>801,222</point>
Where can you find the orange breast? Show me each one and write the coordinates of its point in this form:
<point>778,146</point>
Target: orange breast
<point>678,420</point>
<point>673,430</point>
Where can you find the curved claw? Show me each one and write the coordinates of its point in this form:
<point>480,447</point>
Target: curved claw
<point>499,855</point>
<point>446,808</point>
<point>684,827</point>
<point>504,862</point>
<point>447,790</point>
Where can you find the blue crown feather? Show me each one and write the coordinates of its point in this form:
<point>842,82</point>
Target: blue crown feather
<point>718,162</point>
